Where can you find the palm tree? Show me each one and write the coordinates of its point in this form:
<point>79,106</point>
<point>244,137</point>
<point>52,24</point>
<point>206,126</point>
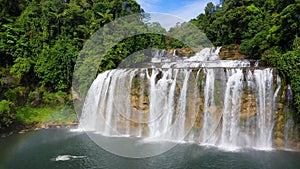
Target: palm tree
<point>106,17</point>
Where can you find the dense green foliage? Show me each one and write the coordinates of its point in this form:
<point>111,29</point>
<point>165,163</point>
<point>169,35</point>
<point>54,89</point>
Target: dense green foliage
<point>39,45</point>
<point>268,30</point>
<point>7,113</point>
<point>40,42</point>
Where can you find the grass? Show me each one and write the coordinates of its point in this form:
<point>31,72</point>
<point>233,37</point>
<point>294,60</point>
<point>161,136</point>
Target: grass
<point>61,113</point>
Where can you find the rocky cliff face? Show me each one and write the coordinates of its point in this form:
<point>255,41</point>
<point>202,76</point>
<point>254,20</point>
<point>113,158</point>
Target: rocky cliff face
<point>222,103</point>
<point>231,52</point>
<point>285,131</point>
<point>182,52</point>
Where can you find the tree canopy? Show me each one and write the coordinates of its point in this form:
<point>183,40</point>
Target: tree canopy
<point>268,30</point>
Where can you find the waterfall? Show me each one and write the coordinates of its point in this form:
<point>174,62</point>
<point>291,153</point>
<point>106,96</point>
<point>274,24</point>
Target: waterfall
<point>209,123</point>
<point>264,85</point>
<point>182,107</point>
<point>174,53</point>
<point>231,110</point>
<point>228,104</point>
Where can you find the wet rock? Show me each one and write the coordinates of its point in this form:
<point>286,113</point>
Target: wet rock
<point>182,52</point>
<point>280,106</point>
<point>245,116</point>
<point>23,131</point>
<point>279,134</point>
<point>231,52</point>
<point>278,142</point>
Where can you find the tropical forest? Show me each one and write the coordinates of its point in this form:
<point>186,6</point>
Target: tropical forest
<point>243,107</point>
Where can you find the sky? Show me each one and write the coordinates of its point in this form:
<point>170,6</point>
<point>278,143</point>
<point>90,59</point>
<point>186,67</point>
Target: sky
<point>184,9</point>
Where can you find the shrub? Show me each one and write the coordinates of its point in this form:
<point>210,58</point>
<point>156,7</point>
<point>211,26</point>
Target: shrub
<point>7,113</point>
<point>17,95</point>
<point>54,98</point>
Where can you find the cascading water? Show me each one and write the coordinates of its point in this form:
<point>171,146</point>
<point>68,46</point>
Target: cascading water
<point>210,123</point>
<point>231,110</point>
<point>264,85</point>
<point>201,99</point>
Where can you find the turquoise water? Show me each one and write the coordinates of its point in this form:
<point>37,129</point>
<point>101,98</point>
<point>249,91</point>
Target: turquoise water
<point>60,148</point>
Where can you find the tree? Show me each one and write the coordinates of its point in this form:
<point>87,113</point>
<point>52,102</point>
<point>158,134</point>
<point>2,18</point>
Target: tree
<point>209,9</point>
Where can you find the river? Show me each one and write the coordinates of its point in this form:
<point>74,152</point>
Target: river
<point>63,149</point>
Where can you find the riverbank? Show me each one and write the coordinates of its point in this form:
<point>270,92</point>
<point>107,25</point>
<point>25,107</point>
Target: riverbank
<point>29,119</point>
<point>23,128</point>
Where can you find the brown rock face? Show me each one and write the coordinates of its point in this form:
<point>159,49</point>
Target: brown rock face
<point>278,142</point>
<point>231,52</point>
<point>183,52</point>
<point>248,108</point>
